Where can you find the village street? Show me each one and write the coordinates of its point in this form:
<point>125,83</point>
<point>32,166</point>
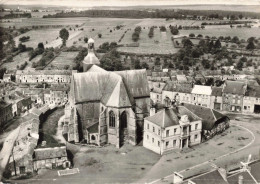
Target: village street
<point>228,160</point>
<point>7,149</point>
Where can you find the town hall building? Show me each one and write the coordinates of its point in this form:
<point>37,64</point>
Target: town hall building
<point>106,107</point>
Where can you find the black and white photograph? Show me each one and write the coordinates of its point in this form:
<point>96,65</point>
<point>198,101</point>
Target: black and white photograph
<point>129,92</point>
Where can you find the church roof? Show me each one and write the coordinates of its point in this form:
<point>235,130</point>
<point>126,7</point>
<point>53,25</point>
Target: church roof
<point>119,96</point>
<point>115,89</point>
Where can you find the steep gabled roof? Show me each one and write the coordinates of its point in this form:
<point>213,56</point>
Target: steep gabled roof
<point>234,87</point>
<point>201,90</point>
<point>119,97</point>
<point>209,116</point>
<point>253,92</point>
<point>164,118</point>
<point>181,88</point>
<point>216,91</point>
<point>213,177</point>
<point>111,88</point>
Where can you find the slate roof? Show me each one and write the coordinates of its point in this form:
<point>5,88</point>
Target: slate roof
<point>234,87</point>
<point>111,88</point>
<point>181,88</point>
<point>213,177</point>
<point>48,153</point>
<point>216,91</point>
<point>247,178</point>
<point>44,72</point>
<point>201,90</point>
<point>253,92</point>
<point>209,116</point>
<point>164,118</point>
<point>93,128</point>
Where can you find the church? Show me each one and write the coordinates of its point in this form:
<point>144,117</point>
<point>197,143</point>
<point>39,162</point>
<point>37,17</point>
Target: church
<point>106,107</point>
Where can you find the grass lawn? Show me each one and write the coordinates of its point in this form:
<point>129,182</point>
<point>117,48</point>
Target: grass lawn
<point>65,58</point>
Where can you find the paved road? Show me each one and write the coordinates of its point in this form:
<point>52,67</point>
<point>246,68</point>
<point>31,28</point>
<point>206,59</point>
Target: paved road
<point>7,149</point>
<point>252,147</point>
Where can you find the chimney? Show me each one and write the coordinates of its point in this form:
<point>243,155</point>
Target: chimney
<point>240,179</point>
<point>152,111</point>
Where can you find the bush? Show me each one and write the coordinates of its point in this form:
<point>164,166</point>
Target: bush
<point>24,38</point>
<point>99,35</point>
<point>135,36</point>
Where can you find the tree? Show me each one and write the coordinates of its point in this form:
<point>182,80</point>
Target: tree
<point>240,16</point>
<point>157,61</point>
<point>192,35</point>
<point>250,46</point>
<point>145,65</point>
<point>240,65</point>
<point>40,46</point>
<point>99,35</point>
<point>174,30</point>
<point>64,35</point>
<point>217,44</point>
<point>86,39</point>
<point>135,36</point>
<point>205,63</point>
<point>187,43</point>
<point>21,47</point>
<point>235,39</point>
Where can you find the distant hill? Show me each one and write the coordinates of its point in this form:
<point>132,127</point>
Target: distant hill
<point>242,8</point>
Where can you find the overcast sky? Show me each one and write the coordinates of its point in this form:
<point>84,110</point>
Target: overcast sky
<point>90,3</point>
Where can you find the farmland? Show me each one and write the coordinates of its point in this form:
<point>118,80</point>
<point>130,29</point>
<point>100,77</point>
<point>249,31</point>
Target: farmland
<point>63,60</point>
<point>90,27</point>
<point>21,59</point>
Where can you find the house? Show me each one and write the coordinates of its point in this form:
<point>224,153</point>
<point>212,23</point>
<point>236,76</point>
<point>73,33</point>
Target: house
<point>118,101</point>
<point>216,100</point>
<point>56,94</point>
<point>21,160</point>
<point>251,100</point>
<point>200,95</point>
<point>156,91</point>
<point>20,103</point>
<point>233,94</point>
<point>213,122</point>
<point>248,173</point>
<point>215,176</point>
<point>6,112</point>
<point>177,93</point>
<point>169,129</point>
<point>50,158</point>
<point>41,76</point>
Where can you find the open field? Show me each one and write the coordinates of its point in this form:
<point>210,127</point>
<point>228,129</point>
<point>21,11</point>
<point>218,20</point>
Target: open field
<point>64,59</point>
<point>21,59</point>
<point>241,33</point>
<point>161,43</point>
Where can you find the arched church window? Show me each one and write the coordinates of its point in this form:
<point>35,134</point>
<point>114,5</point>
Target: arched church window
<point>112,119</point>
